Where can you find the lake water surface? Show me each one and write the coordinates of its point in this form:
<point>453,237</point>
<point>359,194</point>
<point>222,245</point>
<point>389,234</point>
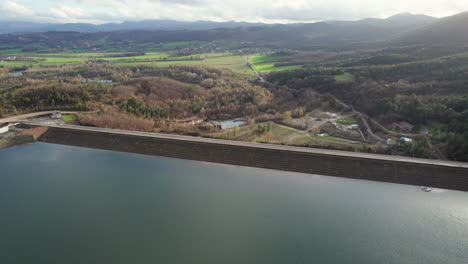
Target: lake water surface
<point>62,204</point>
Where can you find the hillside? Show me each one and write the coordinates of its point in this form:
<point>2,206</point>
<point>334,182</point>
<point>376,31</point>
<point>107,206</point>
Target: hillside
<point>30,27</point>
<point>329,35</point>
<point>451,30</point>
<point>396,21</point>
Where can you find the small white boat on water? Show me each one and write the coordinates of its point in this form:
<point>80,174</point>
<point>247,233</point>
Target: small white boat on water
<point>426,189</point>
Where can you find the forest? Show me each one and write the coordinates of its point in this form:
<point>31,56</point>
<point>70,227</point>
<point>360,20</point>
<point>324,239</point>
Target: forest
<point>429,93</point>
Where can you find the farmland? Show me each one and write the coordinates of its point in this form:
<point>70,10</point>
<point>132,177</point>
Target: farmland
<point>345,77</point>
<point>267,63</point>
<point>69,118</point>
<point>237,63</point>
<point>346,121</point>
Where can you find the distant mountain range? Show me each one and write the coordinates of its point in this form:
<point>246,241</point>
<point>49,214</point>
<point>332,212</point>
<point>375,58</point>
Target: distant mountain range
<point>448,30</point>
<point>30,27</point>
<point>401,20</point>
<point>402,29</point>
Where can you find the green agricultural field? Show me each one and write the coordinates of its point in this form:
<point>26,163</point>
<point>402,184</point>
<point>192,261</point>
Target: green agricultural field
<point>156,63</point>
<point>17,63</point>
<point>223,60</point>
<point>205,55</point>
<point>52,61</point>
<point>346,77</point>
<point>148,56</point>
<point>346,121</point>
<point>179,44</point>
<point>76,58</point>
<point>10,51</point>
<point>69,118</point>
<point>235,63</point>
<point>266,63</point>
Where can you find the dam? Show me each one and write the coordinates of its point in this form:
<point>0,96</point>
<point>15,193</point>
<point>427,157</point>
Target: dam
<point>392,169</point>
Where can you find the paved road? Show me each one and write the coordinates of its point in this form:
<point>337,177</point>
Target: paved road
<point>25,116</point>
<point>364,118</point>
<point>254,145</point>
<point>255,70</point>
<point>36,114</point>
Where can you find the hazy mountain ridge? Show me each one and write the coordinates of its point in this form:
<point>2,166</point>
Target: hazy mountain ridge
<point>448,30</point>
<point>31,27</point>
<point>403,29</point>
<point>399,20</point>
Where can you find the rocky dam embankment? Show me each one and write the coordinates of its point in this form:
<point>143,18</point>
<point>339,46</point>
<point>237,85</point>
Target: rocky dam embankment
<point>440,174</point>
<point>20,135</point>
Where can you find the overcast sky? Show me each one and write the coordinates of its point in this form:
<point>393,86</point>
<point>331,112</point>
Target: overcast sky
<point>269,11</point>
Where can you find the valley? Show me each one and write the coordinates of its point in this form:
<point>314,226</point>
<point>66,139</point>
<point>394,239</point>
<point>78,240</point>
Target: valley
<point>381,94</point>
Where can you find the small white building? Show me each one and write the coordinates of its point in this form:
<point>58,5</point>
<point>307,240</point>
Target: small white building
<point>56,115</point>
<point>391,141</point>
<point>4,128</point>
<point>406,140</point>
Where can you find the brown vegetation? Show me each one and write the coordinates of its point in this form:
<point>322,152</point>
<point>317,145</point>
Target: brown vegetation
<point>36,132</point>
<point>117,121</point>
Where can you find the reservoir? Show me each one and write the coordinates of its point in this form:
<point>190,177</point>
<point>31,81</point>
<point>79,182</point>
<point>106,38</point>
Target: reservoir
<point>63,204</point>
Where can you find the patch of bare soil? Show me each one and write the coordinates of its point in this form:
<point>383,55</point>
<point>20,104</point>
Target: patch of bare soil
<point>36,132</point>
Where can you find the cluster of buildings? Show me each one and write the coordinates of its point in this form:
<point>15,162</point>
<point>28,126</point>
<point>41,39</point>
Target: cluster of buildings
<point>9,58</point>
<point>404,126</point>
<point>56,115</point>
<point>392,141</point>
<point>4,128</point>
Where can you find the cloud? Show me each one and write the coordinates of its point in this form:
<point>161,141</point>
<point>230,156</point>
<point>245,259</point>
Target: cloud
<point>10,8</point>
<point>58,13</point>
<point>100,11</point>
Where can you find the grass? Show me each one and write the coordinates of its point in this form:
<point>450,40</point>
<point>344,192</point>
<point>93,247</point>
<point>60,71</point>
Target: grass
<point>9,51</point>
<point>235,63</point>
<point>346,121</point>
<point>205,55</point>
<point>53,61</point>
<point>266,63</point>
<point>279,134</point>
<point>156,63</point>
<point>16,63</point>
<point>266,132</point>
<point>69,118</point>
<point>227,60</point>
<point>346,77</point>
<point>327,138</point>
<point>179,44</point>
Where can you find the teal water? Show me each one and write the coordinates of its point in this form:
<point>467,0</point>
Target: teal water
<point>62,204</point>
